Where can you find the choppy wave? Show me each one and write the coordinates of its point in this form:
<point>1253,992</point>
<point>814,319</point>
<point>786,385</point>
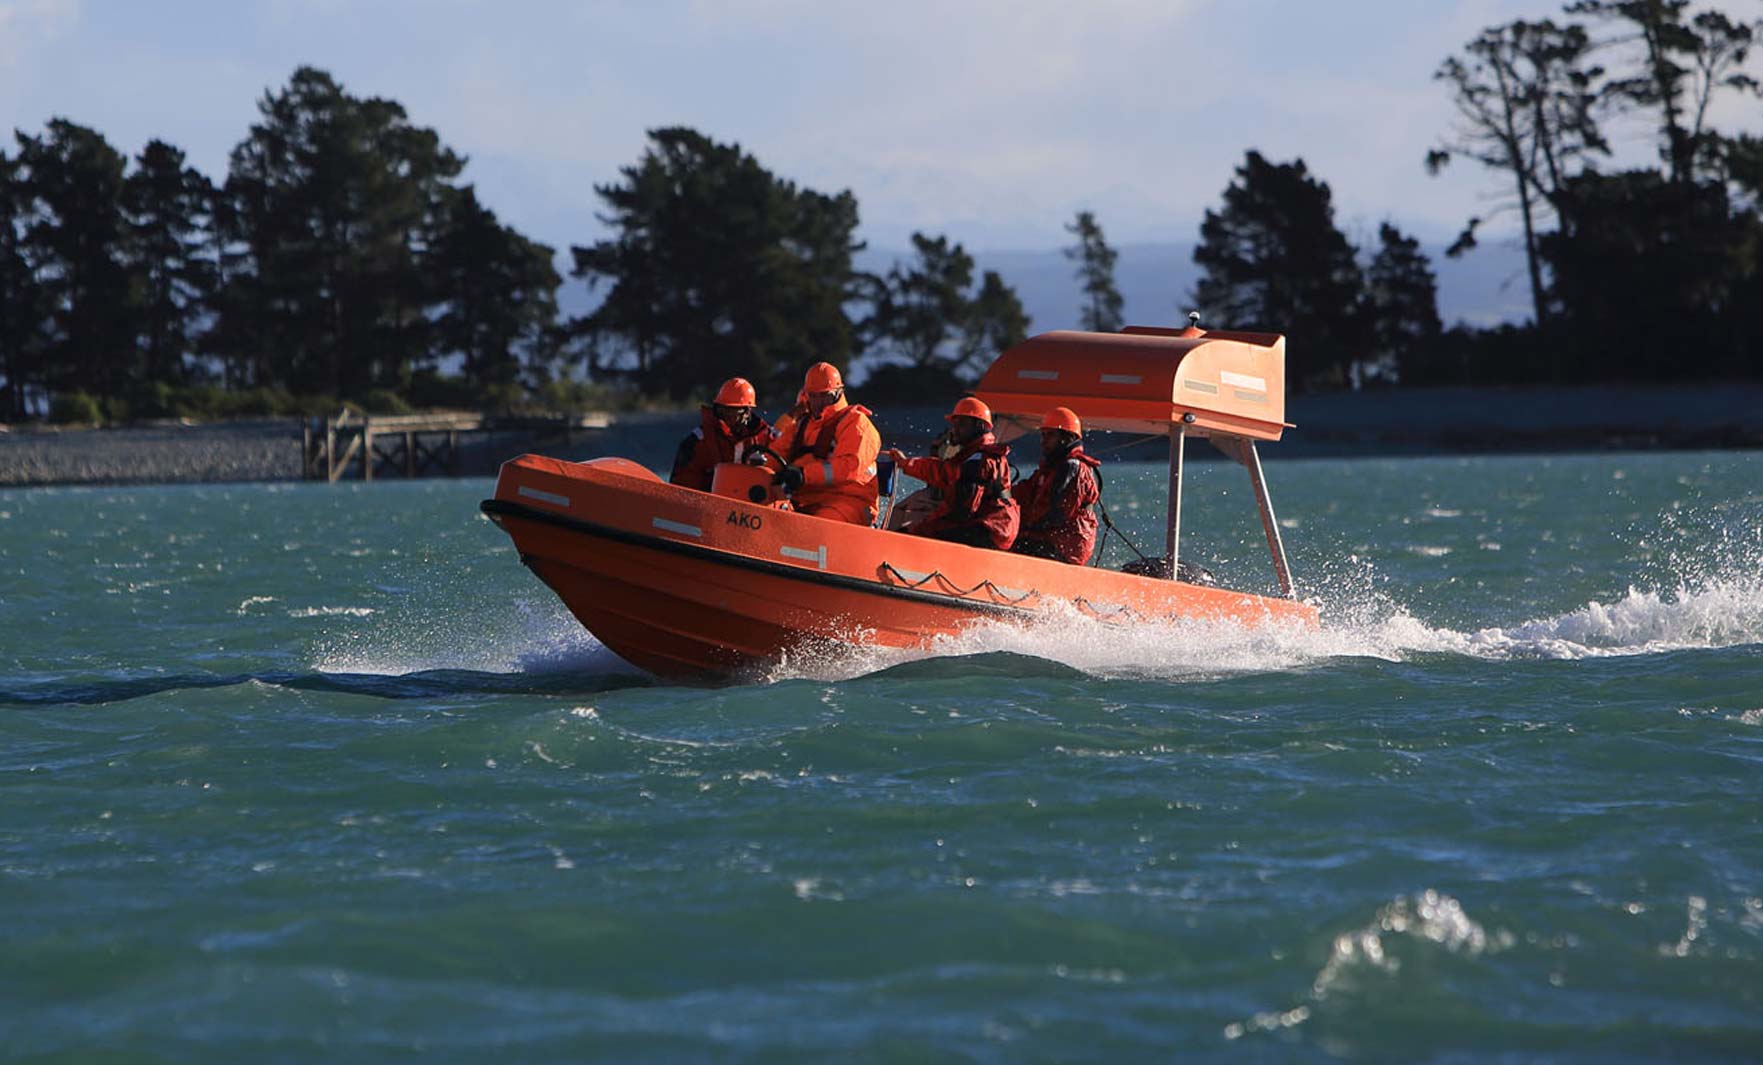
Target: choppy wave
<point>527,639</point>
<point>1429,921</point>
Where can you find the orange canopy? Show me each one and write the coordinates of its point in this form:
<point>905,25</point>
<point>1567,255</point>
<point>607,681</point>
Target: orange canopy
<point>1143,380</point>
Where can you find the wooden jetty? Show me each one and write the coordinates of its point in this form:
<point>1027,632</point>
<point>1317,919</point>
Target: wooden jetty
<point>416,445</point>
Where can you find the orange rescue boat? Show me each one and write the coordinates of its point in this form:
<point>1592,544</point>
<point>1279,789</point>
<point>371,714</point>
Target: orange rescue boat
<point>706,585</point>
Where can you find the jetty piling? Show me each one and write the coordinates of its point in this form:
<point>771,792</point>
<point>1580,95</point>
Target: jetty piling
<point>418,445</point>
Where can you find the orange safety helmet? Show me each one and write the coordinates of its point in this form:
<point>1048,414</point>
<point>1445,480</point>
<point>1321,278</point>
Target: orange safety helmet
<point>823,377</point>
<point>736,392</point>
<point>1063,418</point>
<point>972,408</point>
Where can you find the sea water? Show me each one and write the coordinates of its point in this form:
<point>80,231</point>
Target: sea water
<point>310,773</point>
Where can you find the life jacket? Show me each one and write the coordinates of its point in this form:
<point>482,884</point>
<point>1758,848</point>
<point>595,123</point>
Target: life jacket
<point>1062,527</point>
<point>852,499</point>
<point>694,466</point>
<point>975,485</point>
<point>822,447</point>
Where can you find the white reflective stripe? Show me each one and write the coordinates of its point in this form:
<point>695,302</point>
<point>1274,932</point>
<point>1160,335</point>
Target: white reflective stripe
<point>912,576</point>
<point>1039,375</point>
<point>827,469</point>
<point>677,527</point>
<point>870,469</point>
<point>1010,593</point>
<point>698,432</point>
<point>1201,386</point>
<point>1243,380</point>
<point>1122,379</point>
<point>545,497</point>
<point>817,557</point>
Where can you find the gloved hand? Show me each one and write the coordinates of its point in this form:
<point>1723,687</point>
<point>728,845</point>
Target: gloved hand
<point>895,455</point>
<point>789,478</point>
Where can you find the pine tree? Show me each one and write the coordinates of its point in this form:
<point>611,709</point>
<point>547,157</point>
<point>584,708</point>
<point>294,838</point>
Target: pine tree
<point>717,267</point>
<point>331,207</point>
<point>1272,259</point>
<point>76,239</point>
<point>1101,310</point>
<point>168,205</point>
<point>1402,299</point>
<point>919,307</point>
<point>499,291</point>
<point>995,321</point>
<point>24,318</point>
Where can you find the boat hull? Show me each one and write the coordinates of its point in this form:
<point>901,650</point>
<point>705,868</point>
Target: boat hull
<point>692,585</point>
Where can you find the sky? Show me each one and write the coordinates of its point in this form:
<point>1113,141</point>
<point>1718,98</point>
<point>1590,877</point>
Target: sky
<point>992,121</point>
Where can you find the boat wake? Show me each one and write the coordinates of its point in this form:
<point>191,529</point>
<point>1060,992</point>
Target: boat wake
<point>1700,599</point>
<point>1357,623</point>
<point>1724,613</point>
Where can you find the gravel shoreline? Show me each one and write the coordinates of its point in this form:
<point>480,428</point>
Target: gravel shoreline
<point>173,454</point>
<point>1390,422</point>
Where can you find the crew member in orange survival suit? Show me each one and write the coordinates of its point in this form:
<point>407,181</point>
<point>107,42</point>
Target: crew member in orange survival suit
<point>831,456</point>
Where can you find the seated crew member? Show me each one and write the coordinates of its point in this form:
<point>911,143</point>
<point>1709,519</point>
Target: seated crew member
<point>729,428</point>
<point>831,453</point>
<point>977,508</point>
<point>1056,500</point>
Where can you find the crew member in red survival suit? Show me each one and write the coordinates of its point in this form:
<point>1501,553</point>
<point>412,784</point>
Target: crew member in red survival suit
<point>729,429</point>
<point>977,508</point>
<point>1056,500</point>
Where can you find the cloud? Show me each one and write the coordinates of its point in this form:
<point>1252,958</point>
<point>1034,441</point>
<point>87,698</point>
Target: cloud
<point>29,24</point>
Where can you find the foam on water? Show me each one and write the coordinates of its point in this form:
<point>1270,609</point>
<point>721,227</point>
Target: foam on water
<point>1725,613</point>
<point>527,639</point>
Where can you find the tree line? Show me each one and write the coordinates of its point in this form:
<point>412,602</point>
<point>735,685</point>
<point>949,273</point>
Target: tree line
<point>343,259</point>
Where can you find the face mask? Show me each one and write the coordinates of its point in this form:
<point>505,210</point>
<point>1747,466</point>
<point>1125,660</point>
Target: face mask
<point>739,422</point>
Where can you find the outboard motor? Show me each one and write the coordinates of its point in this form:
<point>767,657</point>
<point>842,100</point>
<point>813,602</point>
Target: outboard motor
<point>1185,571</point>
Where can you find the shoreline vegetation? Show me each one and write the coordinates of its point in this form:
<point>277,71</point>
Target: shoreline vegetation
<point>1365,424</point>
<point>345,257</point>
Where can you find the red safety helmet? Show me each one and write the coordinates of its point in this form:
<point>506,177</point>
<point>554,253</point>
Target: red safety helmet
<point>969,407</point>
<point>823,377</point>
<point>736,392</point>
<point>1063,418</point>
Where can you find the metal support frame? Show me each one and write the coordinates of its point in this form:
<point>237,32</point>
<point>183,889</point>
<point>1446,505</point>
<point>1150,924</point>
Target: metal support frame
<point>1268,523</point>
<point>1177,454</point>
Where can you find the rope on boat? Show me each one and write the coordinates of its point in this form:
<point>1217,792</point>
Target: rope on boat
<point>937,574</point>
<point>1118,610</point>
